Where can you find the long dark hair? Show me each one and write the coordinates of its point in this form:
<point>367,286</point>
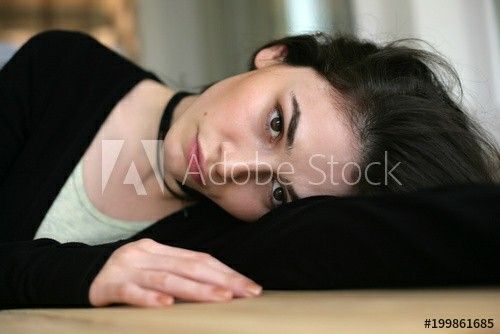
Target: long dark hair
<point>398,100</point>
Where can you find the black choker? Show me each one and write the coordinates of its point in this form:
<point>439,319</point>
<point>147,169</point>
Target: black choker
<point>166,117</point>
<point>168,112</point>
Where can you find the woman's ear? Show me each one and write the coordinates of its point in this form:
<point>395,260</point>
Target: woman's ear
<point>270,56</point>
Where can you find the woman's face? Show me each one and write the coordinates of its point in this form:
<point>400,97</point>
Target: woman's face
<point>254,157</point>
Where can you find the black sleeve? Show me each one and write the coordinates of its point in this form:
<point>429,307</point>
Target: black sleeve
<point>27,83</point>
<point>435,237</point>
<point>43,272</point>
<point>15,91</point>
<point>443,237</point>
<point>38,272</point>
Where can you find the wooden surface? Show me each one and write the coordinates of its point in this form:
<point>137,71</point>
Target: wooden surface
<point>348,311</point>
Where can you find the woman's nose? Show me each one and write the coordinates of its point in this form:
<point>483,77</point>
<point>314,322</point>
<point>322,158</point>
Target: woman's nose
<point>236,165</point>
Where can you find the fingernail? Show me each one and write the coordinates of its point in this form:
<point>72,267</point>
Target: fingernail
<point>254,289</point>
<point>222,293</point>
<point>166,300</point>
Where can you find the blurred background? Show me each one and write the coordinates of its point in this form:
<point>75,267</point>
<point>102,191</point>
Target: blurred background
<point>190,43</point>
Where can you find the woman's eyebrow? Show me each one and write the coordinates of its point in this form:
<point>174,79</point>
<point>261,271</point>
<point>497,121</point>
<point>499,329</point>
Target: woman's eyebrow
<point>290,137</point>
<point>293,124</point>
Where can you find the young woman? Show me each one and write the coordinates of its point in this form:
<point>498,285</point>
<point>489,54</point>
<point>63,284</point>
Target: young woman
<point>314,115</point>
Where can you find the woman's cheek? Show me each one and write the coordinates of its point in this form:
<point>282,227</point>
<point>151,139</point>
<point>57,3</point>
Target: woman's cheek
<point>242,202</point>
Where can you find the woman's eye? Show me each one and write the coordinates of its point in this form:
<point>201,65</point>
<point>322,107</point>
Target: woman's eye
<point>277,194</point>
<point>275,123</point>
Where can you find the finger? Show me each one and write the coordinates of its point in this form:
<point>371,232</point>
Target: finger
<point>181,287</point>
<point>201,272</point>
<point>132,294</point>
<point>158,248</point>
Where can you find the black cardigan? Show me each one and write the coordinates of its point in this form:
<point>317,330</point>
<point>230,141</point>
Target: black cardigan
<point>56,92</point>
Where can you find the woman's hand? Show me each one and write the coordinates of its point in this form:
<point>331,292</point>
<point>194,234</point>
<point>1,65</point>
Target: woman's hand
<point>147,273</point>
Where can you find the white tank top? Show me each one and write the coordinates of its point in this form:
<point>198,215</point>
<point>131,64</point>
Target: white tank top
<point>72,217</point>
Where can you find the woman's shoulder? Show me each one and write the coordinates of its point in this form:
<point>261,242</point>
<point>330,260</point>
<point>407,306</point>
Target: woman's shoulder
<point>56,41</point>
<point>70,49</point>
<point>59,35</point>
<point>43,52</point>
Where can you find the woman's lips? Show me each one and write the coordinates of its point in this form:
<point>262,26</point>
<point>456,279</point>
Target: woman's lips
<point>195,162</point>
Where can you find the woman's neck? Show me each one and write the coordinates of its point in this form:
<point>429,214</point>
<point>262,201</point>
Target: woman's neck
<point>155,98</point>
<point>182,106</point>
